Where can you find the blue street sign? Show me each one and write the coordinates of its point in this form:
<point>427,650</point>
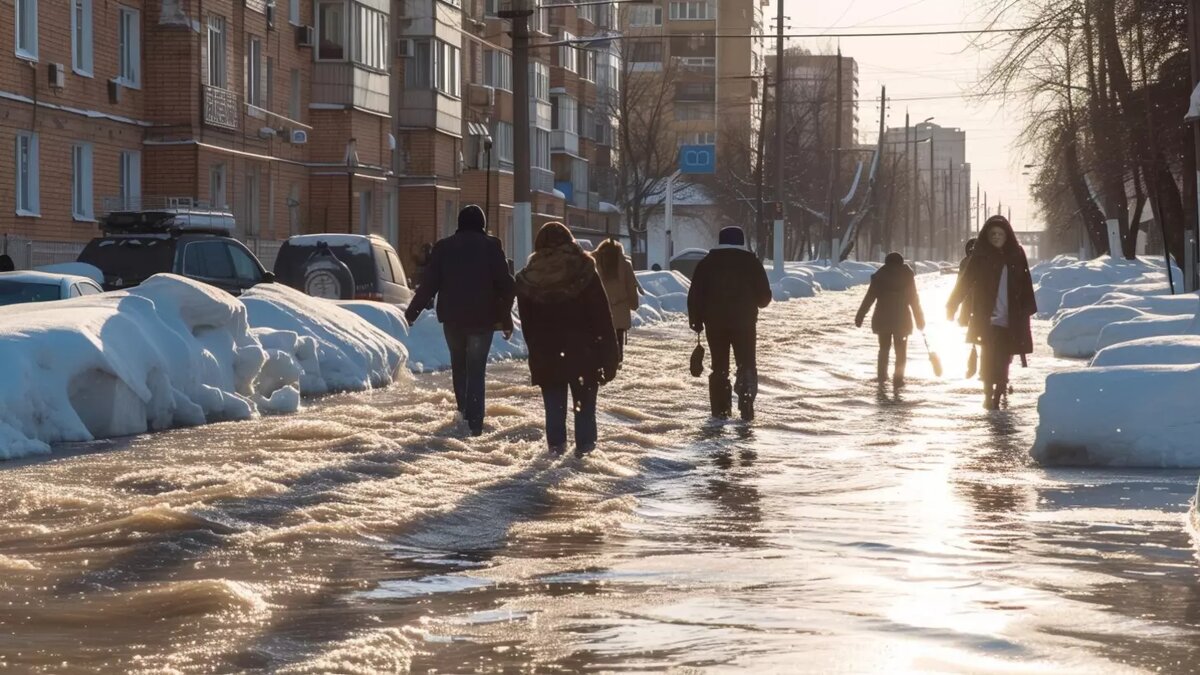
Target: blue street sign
<point>697,159</point>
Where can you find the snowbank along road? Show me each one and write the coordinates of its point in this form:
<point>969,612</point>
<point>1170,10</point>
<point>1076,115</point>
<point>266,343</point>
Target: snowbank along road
<point>368,534</point>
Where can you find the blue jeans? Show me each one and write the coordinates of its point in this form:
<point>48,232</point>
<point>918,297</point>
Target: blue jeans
<point>584,397</point>
<point>468,366</point>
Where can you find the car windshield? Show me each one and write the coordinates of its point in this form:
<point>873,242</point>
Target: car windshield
<point>129,259</point>
<point>17,292</point>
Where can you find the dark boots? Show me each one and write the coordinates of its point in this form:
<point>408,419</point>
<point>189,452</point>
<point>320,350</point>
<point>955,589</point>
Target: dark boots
<point>746,386</point>
<point>720,395</point>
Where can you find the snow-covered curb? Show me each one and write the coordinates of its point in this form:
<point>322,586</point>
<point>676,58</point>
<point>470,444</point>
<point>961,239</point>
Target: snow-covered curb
<point>1132,406</point>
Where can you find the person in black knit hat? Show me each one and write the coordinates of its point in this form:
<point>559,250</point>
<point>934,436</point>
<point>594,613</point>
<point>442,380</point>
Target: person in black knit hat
<point>728,288</point>
<point>468,273</point>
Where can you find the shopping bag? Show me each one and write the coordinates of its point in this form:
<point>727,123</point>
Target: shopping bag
<point>698,358</point>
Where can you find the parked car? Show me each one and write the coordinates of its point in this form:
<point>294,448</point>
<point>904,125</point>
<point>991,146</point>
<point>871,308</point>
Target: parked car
<point>343,267</point>
<point>193,243</point>
<point>686,260</point>
<point>28,286</point>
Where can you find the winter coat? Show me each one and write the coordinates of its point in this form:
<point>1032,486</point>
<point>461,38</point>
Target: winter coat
<point>468,273</point>
<point>621,289</point>
<point>566,318</point>
<point>894,288</point>
<point>976,292</point>
<point>729,286</point>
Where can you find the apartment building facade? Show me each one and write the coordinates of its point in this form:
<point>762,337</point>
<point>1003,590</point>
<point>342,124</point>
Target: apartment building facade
<point>276,111</point>
<point>944,217</point>
<point>811,82</point>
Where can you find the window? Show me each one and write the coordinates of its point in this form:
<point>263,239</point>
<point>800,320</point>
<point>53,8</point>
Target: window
<point>540,82</point>
<point>371,47</point>
<point>564,114</point>
<point>540,149</point>
<point>26,20</point>
<point>587,63</point>
<point>492,8</point>
<point>130,179</point>
<point>216,52</point>
<point>294,101</point>
<point>502,144</point>
<point>81,181</point>
<point>450,217</point>
<point>28,198</point>
<point>694,111</point>
<point>419,73</point>
<point>646,52</point>
<point>568,55</point>
<point>640,17</point>
<point>293,204</point>
<point>447,74</point>
<point>331,30</point>
<point>397,268</point>
<point>696,91</point>
<point>244,267</point>
<point>216,187</point>
<point>129,47</point>
<point>254,73</point>
<point>85,289</point>
<point>497,69</point>
<point>252,202</point>
<point>698,138</point>
<point>208,260</point>
<point>383,266</point>
<point>693,11</point>
<point>294,12</point>
<point>81,37</point>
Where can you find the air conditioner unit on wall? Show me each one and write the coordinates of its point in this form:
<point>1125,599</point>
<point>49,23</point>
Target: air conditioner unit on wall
<point>58,76</point>
<point>305,36</point>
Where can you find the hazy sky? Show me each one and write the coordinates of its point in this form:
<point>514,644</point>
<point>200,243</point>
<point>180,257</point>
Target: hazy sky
<point>942,68</point>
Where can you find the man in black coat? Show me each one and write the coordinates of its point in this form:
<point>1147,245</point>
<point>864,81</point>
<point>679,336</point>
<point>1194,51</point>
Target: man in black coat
<point>728,288</point>
<point>468,273</point>
<point>894,287</point>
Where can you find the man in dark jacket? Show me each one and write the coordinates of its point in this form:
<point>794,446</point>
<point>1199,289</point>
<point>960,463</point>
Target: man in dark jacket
<point>468,273</point>
<point>894,287</point>
<point>728,288</point>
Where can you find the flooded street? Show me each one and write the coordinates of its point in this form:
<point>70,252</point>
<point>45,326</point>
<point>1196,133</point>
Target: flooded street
<point>850,528</point>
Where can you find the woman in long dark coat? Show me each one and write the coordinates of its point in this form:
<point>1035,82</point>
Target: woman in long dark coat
<point>997,290</point>
<point>894,288</point>
<point>569,330</point>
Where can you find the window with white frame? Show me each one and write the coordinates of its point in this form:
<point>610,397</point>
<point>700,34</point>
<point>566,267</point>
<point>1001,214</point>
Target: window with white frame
<point>540,82</point>
<point>26,23</point>
<point>645,16</point>
<point>447,77</point>
<point>693,10</point>
<point>217,75</point>
<point>294,100</point>
<point>587,62</point>
<point>331,30</point>
<point>27,188</point>
<point>254,72</point>
<point>81,181</point>
<point>419,73</point>
<point>294,12</point>
<point>698,138</point>
<point>217,195</point>
<point>497,69</point>
<point>568,56</point>
<point>492,8</point>
<point>502,144</point>
<point>129,47</point>
<point>537,22</point>
<point>564,114</point>
<point>541,149</point>
<point>81,37</point>
<point>371,45</point>
<point>129,177</point>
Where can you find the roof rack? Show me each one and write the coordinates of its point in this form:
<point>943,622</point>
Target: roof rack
<point>172,215</point>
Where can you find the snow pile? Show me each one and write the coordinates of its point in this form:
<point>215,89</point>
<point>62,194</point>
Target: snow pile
<point>1075,332</point>
<point>427,350</point>
<point>1180,350</point>
<point>1054,279</point>
<point>174,352</point>
<point>666,293</point>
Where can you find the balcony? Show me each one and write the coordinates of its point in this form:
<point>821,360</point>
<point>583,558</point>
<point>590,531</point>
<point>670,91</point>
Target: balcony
<point>541,180</point>
<point>220,108</point>
<point>564,141</point>
<point>540,113</point>
<point>350,85</point>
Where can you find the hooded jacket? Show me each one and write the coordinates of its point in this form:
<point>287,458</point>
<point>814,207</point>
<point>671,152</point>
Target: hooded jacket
<point>980,280</point>
<point>894,289</point>
<point>566,318</point>
<point>468,273</point>
<point>621,286</point>
<point>728,288</point>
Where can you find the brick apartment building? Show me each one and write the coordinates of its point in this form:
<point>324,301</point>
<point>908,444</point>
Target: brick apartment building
<point>297,116</point>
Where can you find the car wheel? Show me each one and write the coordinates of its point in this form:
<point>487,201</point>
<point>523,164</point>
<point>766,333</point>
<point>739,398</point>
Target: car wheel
<point>327,277</point>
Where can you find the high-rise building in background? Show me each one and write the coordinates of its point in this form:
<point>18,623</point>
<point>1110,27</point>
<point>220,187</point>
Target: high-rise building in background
<point>357,116</point>
<point>945,191</point>
<point>810,82</point>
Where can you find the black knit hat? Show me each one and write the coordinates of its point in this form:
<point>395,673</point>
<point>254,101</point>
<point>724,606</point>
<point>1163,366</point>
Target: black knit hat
<point>732,236</point>
<point>471,217</point>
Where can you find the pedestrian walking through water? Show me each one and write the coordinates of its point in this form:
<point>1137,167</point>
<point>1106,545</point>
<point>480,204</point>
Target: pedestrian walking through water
<point>568,327</point>
<point>893,291</point>
<point>620,284</point>
<point>468,273</point>
<point>996,290</point>
<point>728,288</point>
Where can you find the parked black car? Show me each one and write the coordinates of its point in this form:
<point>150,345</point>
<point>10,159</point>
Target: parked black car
<point>139,244</point>
<point>343,267</point>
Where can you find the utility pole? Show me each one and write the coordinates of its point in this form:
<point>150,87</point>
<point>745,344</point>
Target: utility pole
<point>519,14</point>
<point>916,201</point>
<point>760,229</point>
<point>932,196</point>
<point>909,201</point>
<point>885,224</point>
<point>947,207</point>
<point>780,78</point>
<point>1190,279</point>
<point>835,200</point>
<point>978,206</point>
